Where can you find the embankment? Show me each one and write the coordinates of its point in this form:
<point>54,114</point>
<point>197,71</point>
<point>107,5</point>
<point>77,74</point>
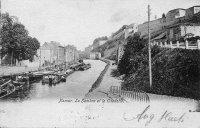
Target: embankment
<point>100,78</point>
<point>175,72</point>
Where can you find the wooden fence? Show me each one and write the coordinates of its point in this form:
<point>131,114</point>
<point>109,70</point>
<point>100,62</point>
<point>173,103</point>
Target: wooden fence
<point>133,94</point>
<point>177,44</point>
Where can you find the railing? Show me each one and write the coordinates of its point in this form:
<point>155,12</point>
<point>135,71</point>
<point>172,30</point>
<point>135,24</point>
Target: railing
<point>134,94</point>
<point>177,44</point>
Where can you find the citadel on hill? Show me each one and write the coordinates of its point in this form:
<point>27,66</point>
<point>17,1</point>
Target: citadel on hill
<point>177,25</point>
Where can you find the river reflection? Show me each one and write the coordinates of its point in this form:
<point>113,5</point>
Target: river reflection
<point>76,86</point>
<point>24,93</point>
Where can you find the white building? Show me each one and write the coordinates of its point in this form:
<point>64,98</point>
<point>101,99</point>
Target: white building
<point>71,54</point>
<point>130,30</point>
<point>190,12</point>
<point>92,56</point>
<point>95,55</point>
<point>44,54</point>
<point>174,14</point>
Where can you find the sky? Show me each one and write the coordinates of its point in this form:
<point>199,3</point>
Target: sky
<point>79,22</point>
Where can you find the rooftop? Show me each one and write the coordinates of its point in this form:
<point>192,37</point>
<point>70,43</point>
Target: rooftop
<point>194,6</point>
<point>176,9</point>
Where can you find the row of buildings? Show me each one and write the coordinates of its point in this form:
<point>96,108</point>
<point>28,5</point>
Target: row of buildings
<point>177,25</point>
<point>53,53</point>
<point>123,32</point>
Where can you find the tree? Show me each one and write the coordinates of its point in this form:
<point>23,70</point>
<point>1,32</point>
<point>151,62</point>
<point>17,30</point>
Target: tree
<point>163,15</point>
<point>128,61</point>
<point>15,41</point>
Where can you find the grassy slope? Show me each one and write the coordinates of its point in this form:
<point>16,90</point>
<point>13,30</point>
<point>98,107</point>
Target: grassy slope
<point>176,72</point>
<point>109,49</point>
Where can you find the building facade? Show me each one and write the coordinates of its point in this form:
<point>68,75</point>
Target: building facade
<point>44,54</point>
<point>190,12</point>
<point>61,55</point>
<point>120,53</point>
<point>173,26</point>
<point>95,55</point>
<point>174,14</point>
<point>183,31</point>
<point>54,54</point>
<point>71,54</point>
<point>55,49</point>
<point>130,30</point>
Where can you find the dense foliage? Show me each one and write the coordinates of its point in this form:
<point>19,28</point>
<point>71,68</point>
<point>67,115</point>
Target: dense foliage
<point>175,72</point>
<point>99,39</point>
<point>16,43</point>
<point>120,30</point>
<point>132,49</point>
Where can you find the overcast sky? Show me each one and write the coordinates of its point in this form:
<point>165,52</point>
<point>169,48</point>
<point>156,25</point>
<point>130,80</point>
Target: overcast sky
<point>79,22</point>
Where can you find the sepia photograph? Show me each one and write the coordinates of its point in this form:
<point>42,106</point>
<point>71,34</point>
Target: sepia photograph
<point>99,63</point>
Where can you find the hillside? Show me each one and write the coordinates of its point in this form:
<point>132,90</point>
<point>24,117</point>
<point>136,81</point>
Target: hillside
<point>175,72</point>
<point>109,48</point>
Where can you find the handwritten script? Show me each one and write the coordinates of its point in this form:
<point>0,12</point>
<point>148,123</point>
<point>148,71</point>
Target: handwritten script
<point>149,117</point>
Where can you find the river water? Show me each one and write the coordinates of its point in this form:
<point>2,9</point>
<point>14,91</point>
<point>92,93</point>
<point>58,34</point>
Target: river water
<point>38,105</point>
<point>76,85</point>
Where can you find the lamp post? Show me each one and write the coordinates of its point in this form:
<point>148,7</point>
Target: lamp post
<point>149,41</point>
<point>0,53</point>
<point>0,33</point>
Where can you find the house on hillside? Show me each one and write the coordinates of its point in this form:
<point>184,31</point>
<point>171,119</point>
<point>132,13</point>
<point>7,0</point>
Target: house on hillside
<point>174,14</point>
<point>131,29</point>
<point>95,55</point>
<point>92,55</point>
<point>190,12</point>
<point>184,30</point>
<point>184,27</point>
<point>177,24</point>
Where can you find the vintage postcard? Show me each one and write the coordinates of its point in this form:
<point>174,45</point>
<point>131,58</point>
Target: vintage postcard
<point>100,63</point>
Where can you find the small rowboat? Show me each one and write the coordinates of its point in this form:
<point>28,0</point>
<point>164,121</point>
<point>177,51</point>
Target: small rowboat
<point>6,89</point>
<point>18,85</point>
<point>51,79</point>
<point>85,67</point>
<point>69,71</point>
<point>63,77</point>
